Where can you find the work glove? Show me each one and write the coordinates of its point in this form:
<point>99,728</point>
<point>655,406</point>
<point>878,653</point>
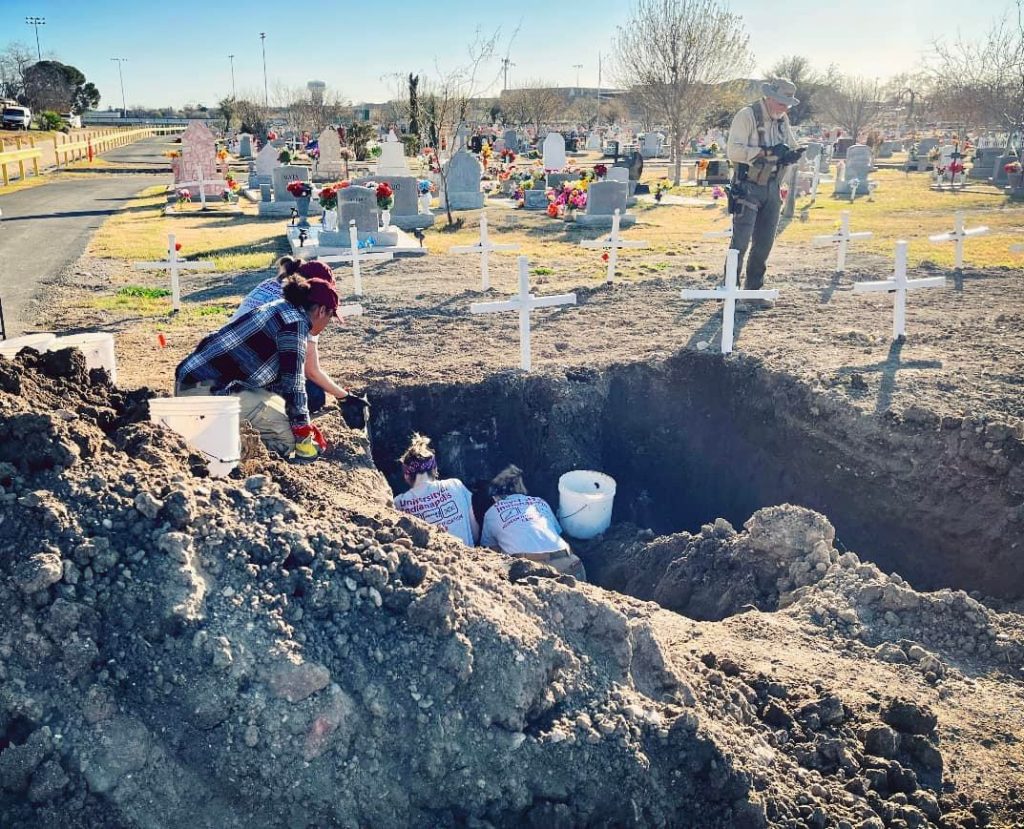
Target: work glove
<point>792,156</point>
<point>309,442</point>
<point>779,150</point>
<point>355,410</point>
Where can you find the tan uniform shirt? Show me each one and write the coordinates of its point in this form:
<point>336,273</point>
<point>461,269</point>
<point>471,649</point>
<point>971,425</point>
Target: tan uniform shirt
<point>744,144</point>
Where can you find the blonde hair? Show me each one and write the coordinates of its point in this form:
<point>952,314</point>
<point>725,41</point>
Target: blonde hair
<point>507,482</point>
<point>419,457</point>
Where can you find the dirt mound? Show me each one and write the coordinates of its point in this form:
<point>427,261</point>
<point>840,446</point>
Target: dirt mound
<point>282,649</point>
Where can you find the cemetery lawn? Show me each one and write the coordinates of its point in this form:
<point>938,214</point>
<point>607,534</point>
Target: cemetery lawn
<point>964,352</point>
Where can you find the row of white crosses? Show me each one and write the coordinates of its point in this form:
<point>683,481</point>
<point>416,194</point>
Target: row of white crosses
<point>175,266</point>
<point>898,285</point>
<point>484,248</point>
<point>612,243</point>
<point>357,257</point>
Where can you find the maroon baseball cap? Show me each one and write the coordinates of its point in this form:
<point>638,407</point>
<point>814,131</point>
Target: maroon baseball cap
<point>316,270</point>
<point>323,293</point>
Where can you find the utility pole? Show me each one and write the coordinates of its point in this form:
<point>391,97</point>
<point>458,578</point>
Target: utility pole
<point>266,94</point>
<point>232,59</point>
<point>597,118</point>
<point>577,67</point>
<point>124,104</point>
<point>37,22</point>
<point>505,64</point>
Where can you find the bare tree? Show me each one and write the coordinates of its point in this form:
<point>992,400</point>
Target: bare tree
<point>853,103</point>
<point>251,113</point>
<point>673,54</point>
<point>981,83</point>
<point>536,102</point>
<point>304,112</point>
<point>446,102</point>
<point>14,60</point>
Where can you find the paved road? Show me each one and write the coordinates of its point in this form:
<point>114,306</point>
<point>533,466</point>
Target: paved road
<point>44,229</point>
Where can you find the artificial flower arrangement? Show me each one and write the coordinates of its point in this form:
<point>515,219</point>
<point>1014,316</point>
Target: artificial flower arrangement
<point>569,196</point>
<point>285,156</point>
<point>222,154</point>
<point>425,186</point>
<point>300,189</point>
<point>373,149</point>
<point>717,193</point>
<point>486,152</point>
<point>347,153</point>
<point>507,156</point>
<point>172,154</point>
<point>184,196</point>
<point>714,148</point>
<point>600,171</point>
<point>328,196</point>
<point>933,154</point>
<point>385,196</point>
<point>661,186</point>
<point>1012,167</point>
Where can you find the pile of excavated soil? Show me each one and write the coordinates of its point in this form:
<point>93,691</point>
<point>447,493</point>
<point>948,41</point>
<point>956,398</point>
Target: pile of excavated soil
<point>282,649</point>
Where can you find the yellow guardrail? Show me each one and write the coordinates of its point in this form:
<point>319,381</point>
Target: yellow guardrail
<point>65,149</point>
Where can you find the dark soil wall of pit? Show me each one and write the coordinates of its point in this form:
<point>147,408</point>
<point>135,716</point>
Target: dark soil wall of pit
<point>698,436</point>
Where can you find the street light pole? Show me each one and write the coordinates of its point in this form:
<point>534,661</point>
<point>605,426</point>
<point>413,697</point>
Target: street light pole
<point>232,59</point>
<point>37,22</point>
<point>577,67</point>
<point>120,74</point>
<point>266,95</point>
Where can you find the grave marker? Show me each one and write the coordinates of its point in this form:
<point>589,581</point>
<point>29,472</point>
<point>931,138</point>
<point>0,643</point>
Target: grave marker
<point>285,175</point>
<point>201,183</point>
<point>463,182</point>
<point>198,149</point>
<point>612,244</point>
<point>357,257</point>
<point>174,265</point>
<point>523,303</point>
<point>554,151</point>
<point>899,285</point>
<point>841,238</point>
<point>958,235</point>
<point>329,163</point>
<point>730,292</point>
<point>484,248</point>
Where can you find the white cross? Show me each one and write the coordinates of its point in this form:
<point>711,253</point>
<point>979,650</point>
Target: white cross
<point>842,238</point>
<point>174,264</point>
<point>612,243</point>
<point>815,178</point>
<point>899,285</point>
<point>523,303</point>
<point>958,235</point>
<point>730,293</point>
<point>356,257</point>
<point>483,248</point>
<point>201,182</point>
<point>854,184</point>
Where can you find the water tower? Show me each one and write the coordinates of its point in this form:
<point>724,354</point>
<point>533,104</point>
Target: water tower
<point>316,91</point>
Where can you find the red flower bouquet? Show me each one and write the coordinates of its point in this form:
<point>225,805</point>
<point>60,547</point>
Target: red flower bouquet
<point>300,189</point>
<point>385,196</point>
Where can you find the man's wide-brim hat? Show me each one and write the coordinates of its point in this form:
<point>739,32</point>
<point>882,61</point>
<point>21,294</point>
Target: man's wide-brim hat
<point>781,90</point>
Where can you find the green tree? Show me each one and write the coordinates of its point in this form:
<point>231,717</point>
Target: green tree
<point>50,84</point>
<point>414,104</point>
<point>809,85</point>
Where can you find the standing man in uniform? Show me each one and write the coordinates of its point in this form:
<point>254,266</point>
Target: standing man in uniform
<point>761,146</point>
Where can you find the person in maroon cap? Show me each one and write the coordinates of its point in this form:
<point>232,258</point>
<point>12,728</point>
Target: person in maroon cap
<point>259,358</point>
<point>319,383</point>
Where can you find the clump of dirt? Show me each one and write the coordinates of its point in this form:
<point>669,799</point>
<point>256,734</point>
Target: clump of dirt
<point>283,649</point>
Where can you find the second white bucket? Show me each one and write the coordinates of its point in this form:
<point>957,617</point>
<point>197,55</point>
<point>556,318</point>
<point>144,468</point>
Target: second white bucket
<point>209,424</point>
<point>97,346</point>
<point>585,501</point>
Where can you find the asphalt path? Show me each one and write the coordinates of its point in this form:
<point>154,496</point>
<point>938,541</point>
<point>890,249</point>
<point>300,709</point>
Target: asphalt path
<point>44,229</point>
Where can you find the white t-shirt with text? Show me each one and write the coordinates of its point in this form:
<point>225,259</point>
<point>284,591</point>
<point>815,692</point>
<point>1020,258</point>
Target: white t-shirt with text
<point>522,524</point>
<point>446,504</point>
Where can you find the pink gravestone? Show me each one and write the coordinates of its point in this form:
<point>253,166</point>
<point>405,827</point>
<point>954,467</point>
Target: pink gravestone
<point>198,160</point>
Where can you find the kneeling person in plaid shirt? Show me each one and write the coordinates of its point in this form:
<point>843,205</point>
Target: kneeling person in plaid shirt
<point>259,358</point>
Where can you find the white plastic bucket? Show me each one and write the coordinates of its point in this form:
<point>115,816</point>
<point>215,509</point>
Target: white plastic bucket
<point>97,346</point>
<point>40,342</point>
<point>208,423</point>
<point>585,502</point>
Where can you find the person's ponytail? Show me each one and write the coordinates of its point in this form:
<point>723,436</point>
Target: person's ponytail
<point>287,266</point>
<point>296,290</point>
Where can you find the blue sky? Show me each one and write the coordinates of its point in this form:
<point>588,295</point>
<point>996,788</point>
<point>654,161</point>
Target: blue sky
<point>177,50</point>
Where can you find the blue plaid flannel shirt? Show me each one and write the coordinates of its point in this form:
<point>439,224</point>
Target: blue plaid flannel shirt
<point>264,348</point>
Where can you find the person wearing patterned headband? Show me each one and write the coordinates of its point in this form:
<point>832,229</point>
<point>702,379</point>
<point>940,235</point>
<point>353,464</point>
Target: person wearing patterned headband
<point>443,503</point>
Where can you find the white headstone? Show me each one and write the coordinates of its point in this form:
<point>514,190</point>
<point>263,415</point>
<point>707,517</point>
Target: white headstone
<point>593,141</point>
<point>858,167</point>
<point>245,145</point>
<point>392,160</point>
<point>283,176</point>
<point>329,163</point>
<point>266,162</point>
<point>554,151</point>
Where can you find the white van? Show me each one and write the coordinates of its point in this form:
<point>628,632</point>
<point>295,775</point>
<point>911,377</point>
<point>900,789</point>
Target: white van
<point>73,121</point>
<point>16,118</point>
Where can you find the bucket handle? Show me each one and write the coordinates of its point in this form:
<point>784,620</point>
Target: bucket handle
<point>571,514</point>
